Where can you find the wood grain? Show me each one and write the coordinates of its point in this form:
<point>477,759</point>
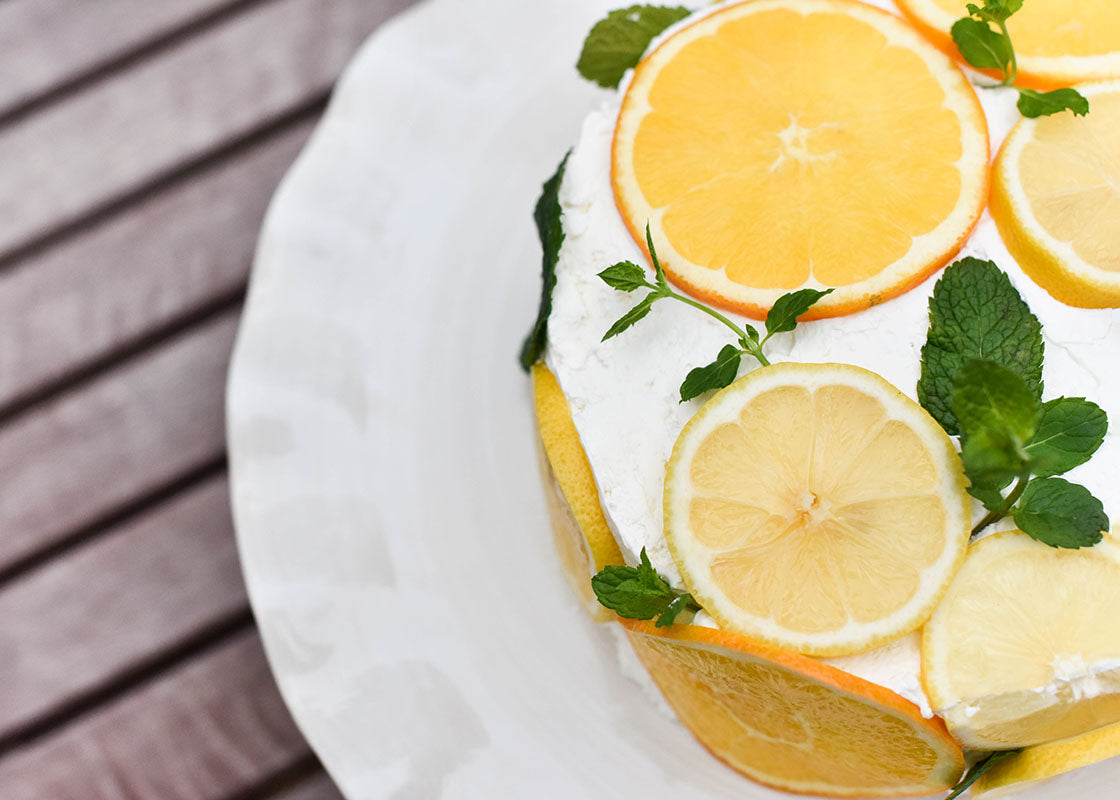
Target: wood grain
<point>81,622</point>
<point>205,731</point>
<point>196,97</point>
<point>94,449</point>
<point>318,787</point>
<point>47,43</point>
<point>137,273</point>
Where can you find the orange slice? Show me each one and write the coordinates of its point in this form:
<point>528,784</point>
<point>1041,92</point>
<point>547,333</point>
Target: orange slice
<point>584,541</point>
<point>816,507</point>
<point>793,723</point>
<point>1057,42</point>
<point>781,144</point>
<point>1056,199</point>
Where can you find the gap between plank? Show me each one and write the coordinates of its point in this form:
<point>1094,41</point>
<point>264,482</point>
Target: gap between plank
<point>150,340</point>
<point>159,182</point>
<point>135,677</point>
<point>110,520</point>
<point>99,71</point>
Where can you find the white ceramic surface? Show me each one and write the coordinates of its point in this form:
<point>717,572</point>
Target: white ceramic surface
<point>391,523</point>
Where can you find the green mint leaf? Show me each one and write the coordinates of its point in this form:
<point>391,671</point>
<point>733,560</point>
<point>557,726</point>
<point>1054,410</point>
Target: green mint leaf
<point>981,46</point>
<point>1044,104</point>
<point>634,592</point>
<point>991,460</point>
<point>683,603</point>
<point>990,496</point>
<point>716,375</point>
<point>662,281</point>
<point>975,312</point>
<point>547,216</point>
<point>626,276</point>
<point>994,399</point>
<point>978,769</point>
<point>632,316</point>
<point>618,42</point>
<point>995,10</point>
<point>1072,429</point>
<point>1061,514</point>
<point>785,312</point>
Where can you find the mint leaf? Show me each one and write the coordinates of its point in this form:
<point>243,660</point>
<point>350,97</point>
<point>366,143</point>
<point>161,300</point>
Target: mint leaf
<point>1061,514</point>
<point>1044,104</point>
<point>618,42</point>
<point>978,769</point>
<point>975,312</point>
<point>991,460</point>
<point>995,10</point>
<point>990,398</point>
<point>683,603</point>
<point>785,312</point>
<point>632,316</point>
<point>991,496</point>
<point>1072,429</point>
<point>626,276</point>
<point>662,281</point>
<point>640,593</point>
<point>547,216</point>
<point>716,375</point>
<point>981,46</point>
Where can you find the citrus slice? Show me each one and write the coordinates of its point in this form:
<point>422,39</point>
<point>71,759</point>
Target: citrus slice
<point>1049,760</point>
<point>780,144</point>
<point>1025,647</point>
<point>817,508</point>
<point>1056,200</point>
<point>583,538</point>
<point>793,723</point>
<point>1057,42</point>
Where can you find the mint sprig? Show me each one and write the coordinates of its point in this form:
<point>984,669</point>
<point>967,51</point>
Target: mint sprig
<point>547,216</point>
<point>627,276</point>
<point>641,593</point>
<point>619,40</point>
<point>986,47</point>
<point>986,346</point>
<point>975,312</point>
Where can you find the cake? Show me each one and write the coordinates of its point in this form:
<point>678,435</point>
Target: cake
<point>714,154</point>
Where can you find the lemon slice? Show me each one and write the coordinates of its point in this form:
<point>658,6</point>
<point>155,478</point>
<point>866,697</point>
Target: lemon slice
<point>1056,200</point>
<point>1025,647</point>
<point>584,541</point>
<point>780,144</point>
<point>816,507</point>
<point>793,723</point>
<point>1057,42</point>
<point>1047,761</point>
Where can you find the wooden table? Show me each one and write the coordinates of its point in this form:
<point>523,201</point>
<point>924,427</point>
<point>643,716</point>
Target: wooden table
<point>140,141</point>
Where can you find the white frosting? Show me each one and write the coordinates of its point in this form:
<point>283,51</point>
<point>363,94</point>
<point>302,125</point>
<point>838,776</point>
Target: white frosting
<point>624,392</point>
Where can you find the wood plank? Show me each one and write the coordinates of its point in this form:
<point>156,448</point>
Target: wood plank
<point>101,445</point>
<point>205,731</point>
<point>138,272</point>
<point>83,621</point>
<point>46,43</point>
<point>318,787</point>
<point>206,92</point>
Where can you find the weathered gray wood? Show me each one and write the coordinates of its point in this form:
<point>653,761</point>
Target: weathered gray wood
<point>79,622</point>
<point>205,731</point>
<point>199,95</point>
<point>318,787</point>
<point>140,271</point>
<point>101,445</point>
<point>46,43</point>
